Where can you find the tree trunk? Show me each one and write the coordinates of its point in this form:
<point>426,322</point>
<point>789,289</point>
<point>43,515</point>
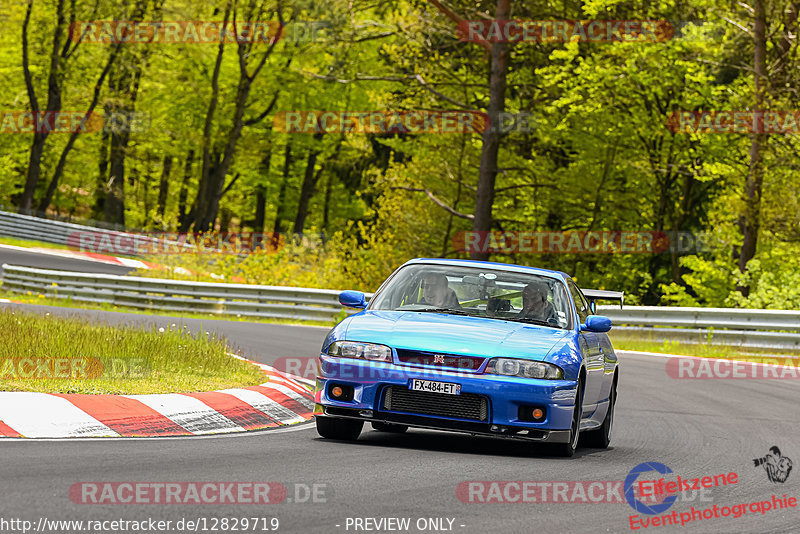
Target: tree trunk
<point>100,186</point>
<point>163,187</point>
<point>750,219</point>
<point>261,193</point>
<point>484,197</point>
<point>201,201</point>
<point>308,188</point>
<point>73,137</point>
<point>146,187</point>
<point>114,206</point>
<point>54,80</point>
<point>187,175</point>
<point>34,171</point>
<point>277,228</point>
<point>213,182</point>
<point>326,209</point>
<point>225,216</point>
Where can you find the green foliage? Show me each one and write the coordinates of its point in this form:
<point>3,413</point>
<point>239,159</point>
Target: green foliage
<point>600,156</point>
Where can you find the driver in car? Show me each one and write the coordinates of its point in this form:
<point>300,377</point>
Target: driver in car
<point>436,292</point>
<point>535,304</point>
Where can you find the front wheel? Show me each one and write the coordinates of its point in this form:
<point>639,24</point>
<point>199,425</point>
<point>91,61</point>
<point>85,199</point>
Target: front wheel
<point>600,438</point>
<point>567,450</point>
<point>341,429</point>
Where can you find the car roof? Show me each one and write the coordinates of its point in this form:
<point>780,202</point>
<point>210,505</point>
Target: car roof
<point>490,264</point>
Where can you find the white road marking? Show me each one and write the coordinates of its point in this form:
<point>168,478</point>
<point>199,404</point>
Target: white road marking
<point>251,433</point>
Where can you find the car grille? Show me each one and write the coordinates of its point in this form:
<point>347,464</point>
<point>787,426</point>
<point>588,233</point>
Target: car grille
<point>415,357</point>
<point>465,406</point>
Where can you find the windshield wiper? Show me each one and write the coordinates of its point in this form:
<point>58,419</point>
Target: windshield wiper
<point>451,311</point>
<point>531,320</point>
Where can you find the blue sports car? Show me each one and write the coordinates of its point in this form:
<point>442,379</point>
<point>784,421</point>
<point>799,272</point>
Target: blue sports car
<point>476,347</point>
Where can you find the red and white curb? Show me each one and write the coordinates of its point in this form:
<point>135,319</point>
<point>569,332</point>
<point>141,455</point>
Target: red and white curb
<point>283,400</point>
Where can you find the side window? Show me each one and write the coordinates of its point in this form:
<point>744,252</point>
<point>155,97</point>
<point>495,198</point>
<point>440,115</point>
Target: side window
<point>561,303</point>
<point>580,302</point>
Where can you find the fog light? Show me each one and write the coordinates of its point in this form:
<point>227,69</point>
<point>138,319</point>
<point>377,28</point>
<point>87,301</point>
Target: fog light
<point>341,392</point>
<point>532,414</point>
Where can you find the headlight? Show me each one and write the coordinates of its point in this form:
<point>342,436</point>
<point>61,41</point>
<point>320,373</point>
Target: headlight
<point>524,369</point>
<point>361,351</point>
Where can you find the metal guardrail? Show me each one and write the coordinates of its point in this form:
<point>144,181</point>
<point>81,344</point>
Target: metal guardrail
<point>763,329</point>
<point>64,233</point>
<point>751,339</point>
<point>735,318</point>
<point>757,329</point>
<point>38,229</point>
<point>177,295</point>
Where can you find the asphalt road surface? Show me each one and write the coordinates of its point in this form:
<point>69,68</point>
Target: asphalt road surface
<point>697,428</point>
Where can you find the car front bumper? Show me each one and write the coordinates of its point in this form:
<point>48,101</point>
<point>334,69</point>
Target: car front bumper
<point>504,395</point>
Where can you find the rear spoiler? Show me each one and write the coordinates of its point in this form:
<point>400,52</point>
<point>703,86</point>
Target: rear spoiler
<point>593,295</point>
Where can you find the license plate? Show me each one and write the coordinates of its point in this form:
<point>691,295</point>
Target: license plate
<point>435,387</point>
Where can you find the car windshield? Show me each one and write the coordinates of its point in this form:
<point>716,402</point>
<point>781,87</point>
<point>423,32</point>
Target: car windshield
<point>495,294</point>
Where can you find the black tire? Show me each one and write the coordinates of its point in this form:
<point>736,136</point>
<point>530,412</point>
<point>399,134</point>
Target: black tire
<point>567,450</point>
<point>341,429</point>
<point>600,438</point>
<point>389,427</point>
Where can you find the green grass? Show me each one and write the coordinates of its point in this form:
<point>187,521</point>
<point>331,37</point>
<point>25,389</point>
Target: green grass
<point>75,355</point>
<point>28,243</point>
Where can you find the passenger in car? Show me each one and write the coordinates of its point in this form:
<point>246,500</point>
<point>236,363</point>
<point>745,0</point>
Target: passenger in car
<point>437,292</point>
<point>535,304</point>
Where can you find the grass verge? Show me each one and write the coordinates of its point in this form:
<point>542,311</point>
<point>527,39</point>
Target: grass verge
<point>28,243</point>
<point>50,354</point>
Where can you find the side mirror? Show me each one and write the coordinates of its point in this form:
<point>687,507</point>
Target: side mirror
<point>597,323</point>
<point>353,299</point>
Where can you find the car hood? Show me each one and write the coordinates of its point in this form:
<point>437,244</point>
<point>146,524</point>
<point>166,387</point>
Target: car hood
<point>454,334</point>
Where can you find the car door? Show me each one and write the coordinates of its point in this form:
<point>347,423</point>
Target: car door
<point>593,356</point>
